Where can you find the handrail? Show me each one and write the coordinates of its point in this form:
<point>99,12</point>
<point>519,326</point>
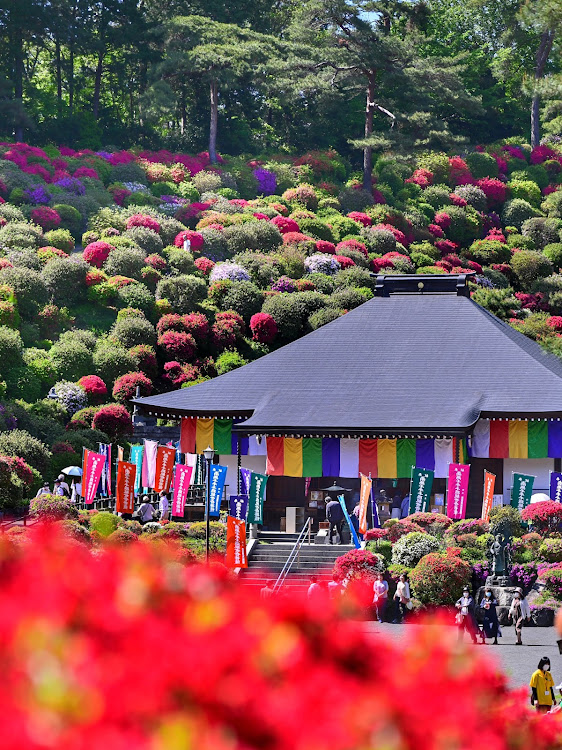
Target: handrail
<point>293,554</point>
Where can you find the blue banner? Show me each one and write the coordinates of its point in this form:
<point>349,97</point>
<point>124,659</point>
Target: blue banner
<point>245,476</point>
<point>136,458</point>
<point>216,488</point>
<point>238,507</point>
<point>354,536</point>
<point>376,519</point>
<point>556,486</point>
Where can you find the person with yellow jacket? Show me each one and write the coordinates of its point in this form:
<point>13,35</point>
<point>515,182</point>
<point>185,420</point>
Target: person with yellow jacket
<point>542,687</point>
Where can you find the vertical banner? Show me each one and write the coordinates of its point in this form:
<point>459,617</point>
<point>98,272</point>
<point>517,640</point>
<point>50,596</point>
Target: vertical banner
<point>364,495</point>
<point>238,507</point>
<point>236,543</point>
<point>165,457</point>
<point>521,490</point>
<point>457,490</point>
<point>182,480</point>
<point>85,454</point>
<point>94,468</point>
<point>488,494</point>
<point>137,452</point>
<point>256,497</point>
<point>120,455</point>
<point>245,476</point>
<point>149,463</point>
<point>375,510</point>
<point>125,487</point>
<point>420,490</point>
<point>216,489</point>
<point>556,486</point>
<point>354,536</point>
<point>104,488</point>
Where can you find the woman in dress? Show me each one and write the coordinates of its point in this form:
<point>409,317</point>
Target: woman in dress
<point>490,623</point>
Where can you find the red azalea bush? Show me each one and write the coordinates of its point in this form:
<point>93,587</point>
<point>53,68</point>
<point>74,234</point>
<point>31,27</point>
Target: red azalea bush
<point>145,359</point>
<point>397,528</point>
<point>125,387</point>
<point>360,217</point>
<point>96,253</point>
<point>178,345</point>
<point>358,564</point>
<point>555,322</point>
<point>442,219</point>
<point>545,516</point>
<point>156,261</point>
<point>47,218</point>
<point>344,261</point>
<point>495,190</point>
<point>233,319</point>
<point>86,172</point>
<point>223,335</point>
<point>204,265</point>
<point>431,520</point>
<point>263,327</point>
<point>52,508</point>
<point>284,224</point>
<point>198,326</point>
<point>421,177</point>
<point>114,420</point>
<point>141,220</point>
<point>439,578</point>
<point>67,618</point>
<point>94,386</point>
<point>352,245</point>
<point>373,535</point>
<point>295,238</point>
<point>398,235</point>
<point>323,246</point>
<point>196,238</point>
<point>169,322</point>
<point>95,277</point>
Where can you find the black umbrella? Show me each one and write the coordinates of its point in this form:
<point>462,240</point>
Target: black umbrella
<point>335,488</point>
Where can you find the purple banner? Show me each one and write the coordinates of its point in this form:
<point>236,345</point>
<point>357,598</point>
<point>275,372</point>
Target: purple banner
<point>556,486</point>
<point>238,507</point>
<point>245,476</point>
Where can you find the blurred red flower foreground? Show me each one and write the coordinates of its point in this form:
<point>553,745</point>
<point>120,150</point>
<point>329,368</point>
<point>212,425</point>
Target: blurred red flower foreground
<point>127,648</point>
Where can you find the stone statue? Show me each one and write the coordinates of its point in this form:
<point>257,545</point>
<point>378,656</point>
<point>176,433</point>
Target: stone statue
<point>499,552</point>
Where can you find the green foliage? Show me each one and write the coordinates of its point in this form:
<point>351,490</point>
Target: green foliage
<point>132,331</point>
<point>21,443</point>
<point>111,362</point>
<point>509,515</point>
<point>517,211</point>
<point>410,548</point>
<point>243,297</point>
<point>104,523</point>
<point>66,279</point>
<point>482,165</point>
<point>183,293</point>
<point>29,287</point>
<point>500,302</point>
<point>530,266</point>
<point>227,361</point>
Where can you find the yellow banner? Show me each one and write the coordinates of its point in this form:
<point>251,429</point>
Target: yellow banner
<point>293,457</point>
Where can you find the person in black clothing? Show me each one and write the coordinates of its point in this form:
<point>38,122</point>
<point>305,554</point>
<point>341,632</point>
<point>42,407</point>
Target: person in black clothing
<point>335,516</point>
<point>490,625</point>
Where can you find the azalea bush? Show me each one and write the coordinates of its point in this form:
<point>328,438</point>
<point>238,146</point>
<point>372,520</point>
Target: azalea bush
<point>439,578</point>
<point>89,603</point>
<point>358,564</point>
<point>410,548</point>
<point>544,516</point>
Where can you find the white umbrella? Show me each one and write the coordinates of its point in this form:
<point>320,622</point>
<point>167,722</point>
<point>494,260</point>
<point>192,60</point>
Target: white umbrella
<point>73,471</point>
<point>539,497</point>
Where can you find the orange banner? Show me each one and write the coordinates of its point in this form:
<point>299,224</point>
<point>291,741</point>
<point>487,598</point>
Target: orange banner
<point>236,543</point>
<point>365,494</point>
<point>488,497</point>
<point>125,489</point>
<point>165,459</point>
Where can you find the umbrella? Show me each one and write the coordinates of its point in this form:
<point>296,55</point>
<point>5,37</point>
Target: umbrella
<point>335,488</point>
<point>539,497</point>
<point>73,471</point>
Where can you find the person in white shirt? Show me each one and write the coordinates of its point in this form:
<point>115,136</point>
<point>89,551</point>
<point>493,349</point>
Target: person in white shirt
<point>334,587</point>
<point>44,490</point>
<point>164,506</point>
<point>64,485</point>
<point>380,597</point>
<point>401,599</point>
<point>146,511</point>
<point>519,612</point>
<point>314,590</point>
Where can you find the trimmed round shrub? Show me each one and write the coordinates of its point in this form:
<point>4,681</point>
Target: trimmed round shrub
<point>482,165</point>
<point>133,331</point>
<point>358,564</point>
<point>506,514</point>
<point>45,217</point>
<point>114,420</point>
<point>125,387</point>
<point>61,239</point>
<point>111,362</point>
<point>525,190</point>
<point>517,211</point>
<point>125,262</point>
<point>180,261</point>
<point>228,270</point>
<point>529,266</point>
<point>348,299</point>
<point>183,293</point>
<point>379,240</point>
<point>178,346</point>
<point>410,548</point>
<point>487,252</point>
<point>464,224</point>
<point>94,387</point>
<point>11,350</point>
<point>437,196</point>
<point>552,204</point>
<point>136,295</point>
<point>439,578</point>
<point>243,297</point>
<point>66,279</point>
<point>542,231</point>
<point>21,235</point>
<point>29,287</point>
<point>549,551</point>
<point>53,508</point>
<point>70,218</point>
<point>316,228</point>
<point>553,252</point>
<point>552,580</point>
<point>545,516</point>
<point>229,360</point>
<point>323,316</point>
<point>71,360</point>
<point>104,522</point>
<point>473,195</point>
<point>19,443</point>
<point>96,253</point>
<point>291,311</point>
<point>146,239</point>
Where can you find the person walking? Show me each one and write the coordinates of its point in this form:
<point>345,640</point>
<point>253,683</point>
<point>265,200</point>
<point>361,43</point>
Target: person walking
<point>164,506</point>
<point>44,490</point>
<point>146,511</point>
<point>334,587</point>
<point>64,485</point>
<point>401,599</point>
<point>490,623</point>
<point>314,592</point>
<point>519,613</point>
<point>334,514</point>
<point>267,591</point>
<point>542,687</point>
<point>380,596</point>
<point>466,619</point>
<point>58,490</point>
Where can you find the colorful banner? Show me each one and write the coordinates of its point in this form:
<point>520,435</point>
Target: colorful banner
<point>364,495</point>
<point>375,510</point>
<point>125,487</point>
<point>517,438</point>
<point>256,498</point>
<point>556,486</point>
<point>238,506</point>
<point>521,490</point>
<point>137,452</point>
<point>420,490</point>
<point>349,457</point>
<point>198,433</point>
<point>165,458</point>
<point>245,476</point>
<point>182,480</point>
<point>149,463</point>
<point>354,536</point>
<point>236,543</point>
<point>104,488</point>
<point>91,476</point>
<point>216,489</point>
<point>488,494</point>
<point>457,490</point>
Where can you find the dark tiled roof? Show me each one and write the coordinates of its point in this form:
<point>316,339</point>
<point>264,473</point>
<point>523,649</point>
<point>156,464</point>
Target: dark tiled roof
<point>403,364</point>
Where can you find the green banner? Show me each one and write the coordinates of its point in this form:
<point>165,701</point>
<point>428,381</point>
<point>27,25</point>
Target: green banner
<point>522,490</point>
<point>420,490</point>
<point>257,496</point>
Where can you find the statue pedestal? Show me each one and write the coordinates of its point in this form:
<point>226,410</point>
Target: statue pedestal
<point>503,592</point>
<point>502,581</point>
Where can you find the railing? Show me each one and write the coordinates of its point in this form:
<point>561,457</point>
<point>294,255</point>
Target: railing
<point>293,554</point>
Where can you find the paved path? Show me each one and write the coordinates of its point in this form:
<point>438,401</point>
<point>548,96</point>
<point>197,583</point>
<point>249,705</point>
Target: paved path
<point>518,662</point>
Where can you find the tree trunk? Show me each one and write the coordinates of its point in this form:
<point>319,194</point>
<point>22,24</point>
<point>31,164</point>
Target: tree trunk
<point>18,77</point>
<point>71,80</point>
<point>97,85</point>
<point>543,52</point>
<point>59,76</point>
<point>368,150</point>
<point>214,122</point>
<point>183,112</point>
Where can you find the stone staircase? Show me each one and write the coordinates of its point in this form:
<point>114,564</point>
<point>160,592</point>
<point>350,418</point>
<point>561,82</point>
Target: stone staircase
<point>270,553</point>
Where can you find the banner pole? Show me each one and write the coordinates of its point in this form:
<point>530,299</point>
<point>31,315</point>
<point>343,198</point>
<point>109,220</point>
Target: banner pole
<point>411,482</point>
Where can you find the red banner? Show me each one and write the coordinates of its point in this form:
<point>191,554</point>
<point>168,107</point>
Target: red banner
<point>94,463</point>
<point>182,481</point>
<point>125,487</point>
<point>236,543</point>
<point>165,458</point>
<point>364,495</point>
<point>488,496</point>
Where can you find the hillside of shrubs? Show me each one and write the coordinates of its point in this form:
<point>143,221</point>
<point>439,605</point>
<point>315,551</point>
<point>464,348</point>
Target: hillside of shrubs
<point>153,270</point>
